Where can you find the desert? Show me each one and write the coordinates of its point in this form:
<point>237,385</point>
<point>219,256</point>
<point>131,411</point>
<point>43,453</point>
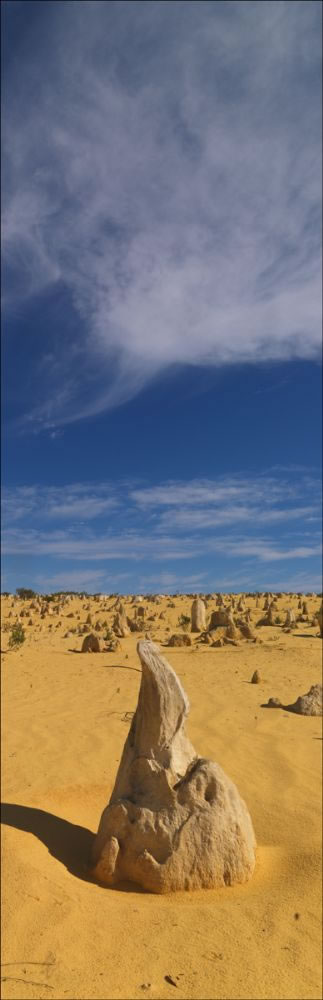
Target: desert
<point>161,585</point>
<point>65,719</point>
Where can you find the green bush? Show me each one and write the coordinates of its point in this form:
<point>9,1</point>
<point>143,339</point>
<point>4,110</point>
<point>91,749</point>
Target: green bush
<point>25,593</point>
<point>17,636</point>
<point>184,620</point>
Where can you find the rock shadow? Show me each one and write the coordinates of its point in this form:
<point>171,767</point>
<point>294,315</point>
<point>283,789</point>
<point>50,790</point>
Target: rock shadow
<point>120,666</point>
<point>68,843</point>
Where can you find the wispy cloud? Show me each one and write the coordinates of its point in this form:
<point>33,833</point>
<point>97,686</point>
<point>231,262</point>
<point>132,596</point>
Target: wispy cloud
<point>78,502</point>
<point>101,546</point>
<point>214,528</point>
<point>263,549</point>
<point>79,579</point>
<point>259,488</point>
<point>218,517</point>
<point>175,192</point>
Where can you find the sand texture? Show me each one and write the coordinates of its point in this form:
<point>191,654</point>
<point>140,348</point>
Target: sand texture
<point>65,719</point>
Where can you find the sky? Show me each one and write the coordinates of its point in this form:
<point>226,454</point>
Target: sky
<point>161,295</point>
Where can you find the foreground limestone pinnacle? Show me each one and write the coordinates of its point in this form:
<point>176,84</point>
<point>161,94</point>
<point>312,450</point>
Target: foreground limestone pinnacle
<point>174,820</point>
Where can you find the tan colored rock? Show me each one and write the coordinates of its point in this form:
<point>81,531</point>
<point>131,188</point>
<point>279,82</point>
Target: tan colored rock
<point>290,619</point>
<point>319,619</point>
<point>120,625</point>
<point>268,618</point>
<point>179,640</point>
<point>198,623</point>
<point>135,625</point>
<point>91,644</point>
<point>256,677</point>
<point>174,821</point>
<point>218,618</point>
<point>307,704</point>
<point>232,632</point>
<point>246,630</point>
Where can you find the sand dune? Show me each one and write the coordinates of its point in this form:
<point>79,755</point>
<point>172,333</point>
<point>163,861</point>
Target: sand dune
<point>65,720</point>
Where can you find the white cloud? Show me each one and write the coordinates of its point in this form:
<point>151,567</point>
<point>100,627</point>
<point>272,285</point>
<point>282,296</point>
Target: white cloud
<point>199,520</point>
<point>175,189</point>
<point>79,502</point>
<point>264,550</point>
<point>201,492</point>
<point>80,532</point>
<point>103,546</point>
<point>79,579</point>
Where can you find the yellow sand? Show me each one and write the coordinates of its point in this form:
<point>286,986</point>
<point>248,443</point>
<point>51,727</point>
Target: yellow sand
<point>64,726</point>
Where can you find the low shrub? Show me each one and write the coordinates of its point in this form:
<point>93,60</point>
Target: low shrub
<point>17,636</point>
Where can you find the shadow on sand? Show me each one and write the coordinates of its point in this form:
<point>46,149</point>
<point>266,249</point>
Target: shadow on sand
<point>111,666</point>
<point>69,844</point>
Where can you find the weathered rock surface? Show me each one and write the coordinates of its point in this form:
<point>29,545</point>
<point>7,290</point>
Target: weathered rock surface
<point>290,619</point>
<point>246,630</point>
<point>179,639</point>
<point>198,615</point>
<point>268,618</point>
<point>307,704</point>
<point>90,644</point>
<point>218,618</point>
<point>120,625</point>
<point>174,820</point>
<point>319,619</point>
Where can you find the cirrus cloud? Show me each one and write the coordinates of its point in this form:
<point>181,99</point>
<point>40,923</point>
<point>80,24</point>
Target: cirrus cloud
<point>161,164</point>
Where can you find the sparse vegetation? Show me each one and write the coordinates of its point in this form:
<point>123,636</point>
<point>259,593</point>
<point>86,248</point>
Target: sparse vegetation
<point>17,636</point>
<point>184,621</point>
<point>25,593</point>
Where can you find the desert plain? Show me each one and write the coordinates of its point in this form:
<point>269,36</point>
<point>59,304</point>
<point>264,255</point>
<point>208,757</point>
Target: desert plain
<point>65,718</point>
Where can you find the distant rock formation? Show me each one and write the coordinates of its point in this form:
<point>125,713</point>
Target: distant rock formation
<point>120,624</point>
<point>174,820</point>
<point>198,615</point>
<point>90,644</point>
<point>290,619</point>
<point>179,640</point>
<point>218,618</point>
<point>307,704</point>
<point>268,619</point>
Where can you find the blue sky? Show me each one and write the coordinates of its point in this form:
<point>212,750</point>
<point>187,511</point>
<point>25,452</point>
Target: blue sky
<point>161,295</point>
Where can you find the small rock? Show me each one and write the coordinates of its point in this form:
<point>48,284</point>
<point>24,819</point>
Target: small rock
<point>256,677</point>
<point>90,644</point>
<point>179,640</point>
